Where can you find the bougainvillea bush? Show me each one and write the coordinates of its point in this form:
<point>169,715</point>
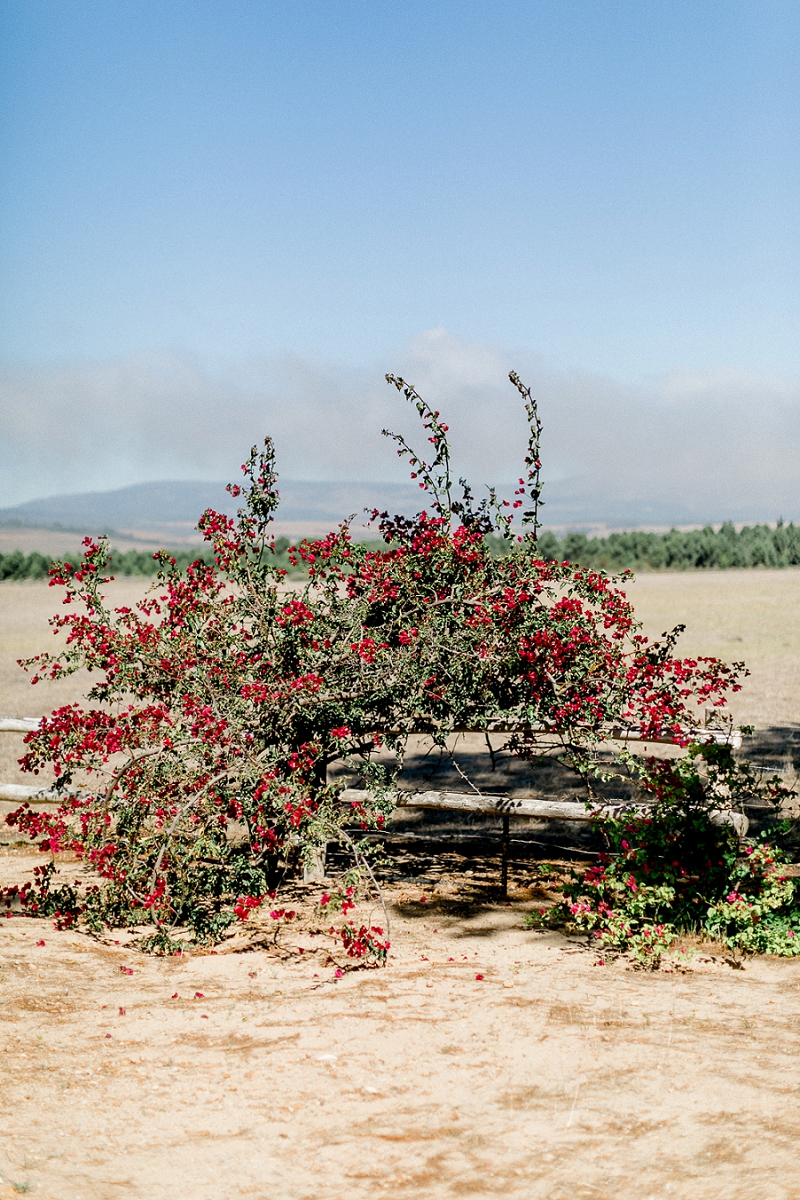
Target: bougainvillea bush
<point>219,701</point>
<point>676,868</point>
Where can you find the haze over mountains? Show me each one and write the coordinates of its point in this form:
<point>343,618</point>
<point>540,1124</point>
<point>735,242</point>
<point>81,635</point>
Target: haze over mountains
<point>686,449</point>
<point>172,508</point>
<point>149,505</point>
<point>168,510</point>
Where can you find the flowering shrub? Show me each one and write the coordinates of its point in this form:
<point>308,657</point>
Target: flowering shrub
<point>761,912</point>
<point>671,869</point>
<point>220,700</point>
<point>40,899</point>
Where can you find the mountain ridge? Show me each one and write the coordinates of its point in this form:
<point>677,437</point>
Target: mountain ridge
<point>173,507</point>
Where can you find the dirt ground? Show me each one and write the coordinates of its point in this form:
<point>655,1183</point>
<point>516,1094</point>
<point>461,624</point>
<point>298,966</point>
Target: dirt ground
<point>485,1060</point>
<point>253,1072</point>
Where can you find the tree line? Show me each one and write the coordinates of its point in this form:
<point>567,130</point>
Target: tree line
<point>677,550</point>
<point>17,565</point>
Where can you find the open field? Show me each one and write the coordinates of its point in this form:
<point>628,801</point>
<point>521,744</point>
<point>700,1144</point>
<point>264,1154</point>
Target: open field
<point>176,535</point>
<point>735,615</point>
<point>751,615</point>
<point>551,1077</point>
<point>62,543</point>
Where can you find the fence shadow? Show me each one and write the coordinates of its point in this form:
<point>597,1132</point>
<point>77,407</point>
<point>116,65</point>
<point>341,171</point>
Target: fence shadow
<point>420,837</point>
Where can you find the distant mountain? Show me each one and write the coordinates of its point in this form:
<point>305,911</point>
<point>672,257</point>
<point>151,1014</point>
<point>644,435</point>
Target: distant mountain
<point>138,506</point>
<point>170,509</point>
<point>153,507</point>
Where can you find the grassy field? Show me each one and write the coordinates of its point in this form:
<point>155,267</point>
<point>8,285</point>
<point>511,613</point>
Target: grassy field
<point>752,616</point>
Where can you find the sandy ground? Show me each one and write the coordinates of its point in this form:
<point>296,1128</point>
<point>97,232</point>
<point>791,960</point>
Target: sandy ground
<point>241,1074</point>
<point>750,615</point>
<point>25,609</point>
<point>266,1076</point>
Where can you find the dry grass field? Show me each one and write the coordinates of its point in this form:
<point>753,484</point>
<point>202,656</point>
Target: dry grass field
<point>485,1060</point>
<point>752,616</point>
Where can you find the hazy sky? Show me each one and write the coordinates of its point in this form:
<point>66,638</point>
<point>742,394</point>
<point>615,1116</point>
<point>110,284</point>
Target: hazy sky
<point>223,219</point>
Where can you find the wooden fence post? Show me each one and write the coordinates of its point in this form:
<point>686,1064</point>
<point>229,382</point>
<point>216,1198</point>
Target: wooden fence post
<point>314,868</point>
<point>505,846</point>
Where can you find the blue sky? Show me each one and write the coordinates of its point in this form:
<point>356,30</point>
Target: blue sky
<point>600,190</point>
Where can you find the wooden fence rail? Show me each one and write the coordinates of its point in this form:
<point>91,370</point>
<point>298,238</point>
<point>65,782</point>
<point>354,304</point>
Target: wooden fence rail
<point>499,805</point>
<point>507,807</point>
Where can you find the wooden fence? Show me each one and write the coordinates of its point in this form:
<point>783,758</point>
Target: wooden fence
<point>501,805</point>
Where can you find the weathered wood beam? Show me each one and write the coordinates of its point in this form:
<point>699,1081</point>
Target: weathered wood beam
<point>34,795</point>
<point>553,810</point>
<point>524,806</point>
<point>19,724</point>
<point>721,737</point>
<point>615,734</point>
